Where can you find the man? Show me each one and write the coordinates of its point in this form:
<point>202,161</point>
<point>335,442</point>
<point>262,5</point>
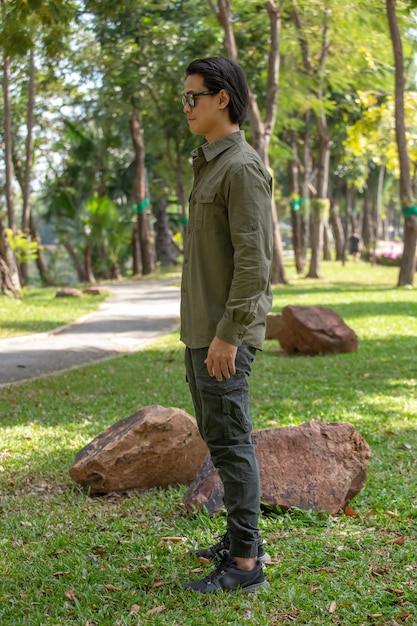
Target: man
<point>225,296</point>
<point>355,246</point>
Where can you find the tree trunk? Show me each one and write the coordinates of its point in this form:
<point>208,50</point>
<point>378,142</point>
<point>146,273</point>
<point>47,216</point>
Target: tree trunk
<point>135,251</point>
<point>78,265</point>
<point>261,129</point>
<point>88,265</point>
<point>408,203</point>
<point>29,146</point>
<point>327,242</point>
<point>319,212</point>
<point>139,197</point>
<point>8,143</point>
<point>320,206</point>
<point>40,259</point>
<point>166,251</point>
<point>367,225</point>
<point>306,184</point>
<point>28,162</point>
<point>181,193</point>
<point>296,207</point>
<point>378,203</point>
<point>9,275</point>
<point>337,228</point>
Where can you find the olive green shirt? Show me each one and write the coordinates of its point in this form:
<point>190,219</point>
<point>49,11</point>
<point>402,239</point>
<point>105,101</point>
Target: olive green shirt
<point>225,289</point>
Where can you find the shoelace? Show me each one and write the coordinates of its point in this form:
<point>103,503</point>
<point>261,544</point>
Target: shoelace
<point>225,561</point>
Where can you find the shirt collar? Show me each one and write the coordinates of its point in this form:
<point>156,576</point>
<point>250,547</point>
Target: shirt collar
<point>211,150</point>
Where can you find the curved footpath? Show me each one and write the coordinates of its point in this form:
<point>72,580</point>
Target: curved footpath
<point>130,318</point>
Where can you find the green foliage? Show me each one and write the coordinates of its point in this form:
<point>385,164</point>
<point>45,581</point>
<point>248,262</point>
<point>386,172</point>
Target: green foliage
<point>371,139</point>
<point>71,559</point>
<point>78,213</point>
<point>22,20</point>
<point>97,59</point>
<point>24,249</point>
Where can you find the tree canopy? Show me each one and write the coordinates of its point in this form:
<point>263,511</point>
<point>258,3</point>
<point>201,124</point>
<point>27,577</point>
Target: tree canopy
<point>96,150</point>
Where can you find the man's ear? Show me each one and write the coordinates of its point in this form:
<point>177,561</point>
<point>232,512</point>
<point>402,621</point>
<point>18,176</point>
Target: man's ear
<point>224,99</point>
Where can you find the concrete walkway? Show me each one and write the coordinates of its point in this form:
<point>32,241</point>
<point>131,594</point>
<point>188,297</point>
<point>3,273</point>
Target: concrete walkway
<point>133,315</point>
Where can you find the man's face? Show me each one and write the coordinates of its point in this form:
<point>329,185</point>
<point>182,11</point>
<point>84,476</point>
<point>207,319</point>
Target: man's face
<point>203,118</point>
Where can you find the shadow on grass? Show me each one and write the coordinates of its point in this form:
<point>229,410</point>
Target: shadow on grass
<point>30,328</point>
<point>360,308</point>
<point>44,423</point>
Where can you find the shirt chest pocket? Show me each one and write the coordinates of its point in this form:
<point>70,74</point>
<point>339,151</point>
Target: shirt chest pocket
<point>205,210</point>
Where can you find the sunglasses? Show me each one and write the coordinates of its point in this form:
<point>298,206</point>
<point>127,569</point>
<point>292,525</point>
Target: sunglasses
<point>189,98</point>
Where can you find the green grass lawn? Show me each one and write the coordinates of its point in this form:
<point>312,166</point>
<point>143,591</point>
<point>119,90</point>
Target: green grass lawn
<point>41,311</point>
<point>69,559</point>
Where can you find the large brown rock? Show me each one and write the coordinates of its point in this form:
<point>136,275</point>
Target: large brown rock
<point>314,330</point>
<point>273,324</point>
<point>96,290</point>
<point>154,447</point>
<point>316,466</point>
<point>69,292</point>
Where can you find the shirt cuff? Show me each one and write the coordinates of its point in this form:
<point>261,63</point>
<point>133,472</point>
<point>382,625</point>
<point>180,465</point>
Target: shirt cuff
<point>231,332</point>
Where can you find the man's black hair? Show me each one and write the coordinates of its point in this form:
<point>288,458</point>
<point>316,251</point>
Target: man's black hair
<point>220,73</point>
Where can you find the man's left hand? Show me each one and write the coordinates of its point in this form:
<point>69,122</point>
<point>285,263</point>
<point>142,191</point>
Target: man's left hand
<point>220,360</point>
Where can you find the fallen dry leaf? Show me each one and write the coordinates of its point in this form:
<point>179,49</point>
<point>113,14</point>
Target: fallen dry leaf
<point>391,514</point>
<point>404,615</point>
<point>70,594</point>
<point>397,592</point>
<point>111,588</point>
<point>350,512</point>
<point>100,553</point>
<point>59,574</point>
<point>399,541</point>
<point>173,539</point>
<point>156,609</point>
<point>332,607</point>
<point>135,608</point>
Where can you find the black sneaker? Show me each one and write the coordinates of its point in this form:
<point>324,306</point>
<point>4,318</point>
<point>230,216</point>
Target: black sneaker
<point>216,552</point>
<point>228,577</point>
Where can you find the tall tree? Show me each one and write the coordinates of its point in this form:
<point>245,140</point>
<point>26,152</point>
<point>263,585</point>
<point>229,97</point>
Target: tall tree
<point>25,25</point>
<point>320,203</point>
<point>9,277</point>
<point>407,197</point>
<point>262,129</point>
<point>140,195</point>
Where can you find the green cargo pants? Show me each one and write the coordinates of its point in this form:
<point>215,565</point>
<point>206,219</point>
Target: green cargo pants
<point>222,413</point>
